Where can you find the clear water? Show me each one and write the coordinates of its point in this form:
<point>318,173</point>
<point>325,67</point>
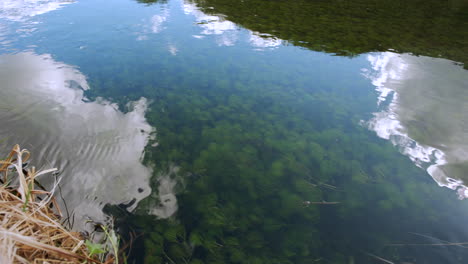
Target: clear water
<point>228,128</point>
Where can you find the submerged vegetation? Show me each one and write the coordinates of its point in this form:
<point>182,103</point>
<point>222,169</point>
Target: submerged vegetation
<point>275,164</point>
<point>267,141</point>
<point>263,170</point>
<point>264,160</point>
<point>31,228</point>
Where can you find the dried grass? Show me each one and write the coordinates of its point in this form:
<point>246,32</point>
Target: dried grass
<point>30,228</point>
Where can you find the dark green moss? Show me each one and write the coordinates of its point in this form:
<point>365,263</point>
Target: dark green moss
<point>350,27</point>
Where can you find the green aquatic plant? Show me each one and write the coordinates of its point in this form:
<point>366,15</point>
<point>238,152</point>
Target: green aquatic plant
<point>262,174</point>
<point>264,141</point>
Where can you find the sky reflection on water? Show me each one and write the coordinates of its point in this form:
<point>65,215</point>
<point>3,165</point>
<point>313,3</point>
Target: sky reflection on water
<point>22,10</point>
<point>392,74</point>
<point>97,148</point>
<point>176,53</point>
<point>425,113</point>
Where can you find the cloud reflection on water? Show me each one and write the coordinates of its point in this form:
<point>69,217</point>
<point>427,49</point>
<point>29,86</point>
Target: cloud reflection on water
<point>20,10</point>
<point>97,148</point>
<point>223,31</point>
<point>16,18</point>
<point>426,114</point>
<point>227,33</point>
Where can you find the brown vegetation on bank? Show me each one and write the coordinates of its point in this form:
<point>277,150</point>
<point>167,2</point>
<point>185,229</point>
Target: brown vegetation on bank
<point>30,220</point>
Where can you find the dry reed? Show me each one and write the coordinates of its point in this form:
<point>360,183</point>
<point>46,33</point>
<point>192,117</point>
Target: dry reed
<point>30,228</point>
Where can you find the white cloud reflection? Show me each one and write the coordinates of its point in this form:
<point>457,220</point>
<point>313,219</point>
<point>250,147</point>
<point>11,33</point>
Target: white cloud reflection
<point>173,49</point>
<point>20,10</point>
<point>264,40</point>
<point>157,21</point>
<point>166,194</point>
<point>97,148</point>
<point>427,113</point>
<point>227,33</point>
<point>224,32</point>
<point>17,16</point>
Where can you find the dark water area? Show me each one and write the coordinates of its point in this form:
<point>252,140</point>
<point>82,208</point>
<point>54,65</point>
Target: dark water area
<point>432,28</point>
<point>252,131</point>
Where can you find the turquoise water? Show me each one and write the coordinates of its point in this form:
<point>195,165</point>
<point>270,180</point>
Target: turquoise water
<point>236,146</point>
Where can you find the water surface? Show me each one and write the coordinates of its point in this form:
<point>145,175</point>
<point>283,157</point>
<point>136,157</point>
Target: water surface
<point>426,114</point>
<point>285,131</point>
<point>97,148</point>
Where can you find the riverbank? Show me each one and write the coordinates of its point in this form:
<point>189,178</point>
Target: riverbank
<point>32,227</point>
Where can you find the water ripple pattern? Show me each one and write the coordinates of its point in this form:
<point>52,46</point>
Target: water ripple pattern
<point>97,148</point>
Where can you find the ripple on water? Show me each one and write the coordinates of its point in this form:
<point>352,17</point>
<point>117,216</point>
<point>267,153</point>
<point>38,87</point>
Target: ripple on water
<point>97,148</point>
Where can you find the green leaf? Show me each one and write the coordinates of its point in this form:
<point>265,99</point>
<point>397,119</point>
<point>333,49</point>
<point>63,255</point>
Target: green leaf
<point>94,248</point>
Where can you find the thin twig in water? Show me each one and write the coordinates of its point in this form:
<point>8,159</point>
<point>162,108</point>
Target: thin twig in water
<point>379,258</point>
<point>445,243</point>
<point>67,219</point>
<point>168,257</point>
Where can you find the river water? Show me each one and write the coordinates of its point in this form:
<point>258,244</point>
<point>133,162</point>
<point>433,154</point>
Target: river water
<point>249,132</point>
